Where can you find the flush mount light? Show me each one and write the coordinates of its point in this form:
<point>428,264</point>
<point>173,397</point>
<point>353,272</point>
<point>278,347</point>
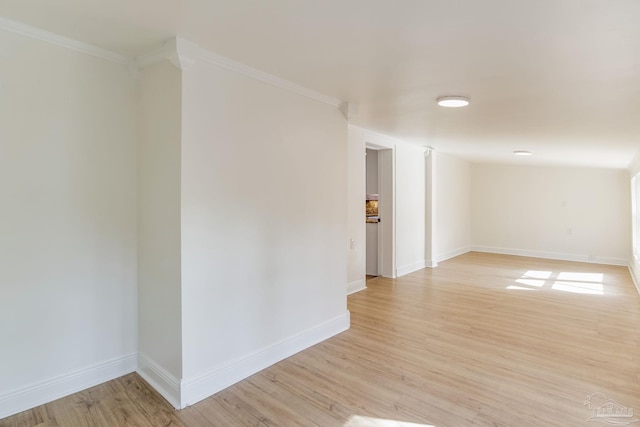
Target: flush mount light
<point>453,101</point>
<point>522,153</point>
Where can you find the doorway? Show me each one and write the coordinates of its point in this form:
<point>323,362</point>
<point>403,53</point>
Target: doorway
<point>373,214</point>
<point>380,207</point>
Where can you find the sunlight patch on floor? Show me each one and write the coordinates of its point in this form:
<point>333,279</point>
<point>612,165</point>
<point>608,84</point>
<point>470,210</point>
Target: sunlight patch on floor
<point>582,277</point>
<point>532,282</point>
<point>566,281</point>
<point>360,421</point>
<point>536,274</point>
<point>579,287</point>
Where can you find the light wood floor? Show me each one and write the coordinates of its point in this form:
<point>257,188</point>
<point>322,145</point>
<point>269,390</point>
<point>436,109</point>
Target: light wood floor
<point>483,340</point>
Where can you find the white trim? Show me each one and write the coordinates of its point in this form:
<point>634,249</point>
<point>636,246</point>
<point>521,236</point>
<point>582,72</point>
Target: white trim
<point>431,263</point>
<point>634,165</point>
<point>452,254</point>
<point>349,109</point>
<point>633,276</point>
<point>154,57</point>
<point>178,49</point>
<point>376,140</point>
<point>356,286</point>
<point>45,391</point>
<point>180,52</point>
<point>69,43</point>
<point>202,386</point>
<point>406,269</point>
<point>161,380</point>
<point>551,255</point>
<point>254,73</point>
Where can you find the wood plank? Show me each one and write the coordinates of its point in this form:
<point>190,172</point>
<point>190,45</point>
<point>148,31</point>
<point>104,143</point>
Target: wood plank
<point>482,340</point>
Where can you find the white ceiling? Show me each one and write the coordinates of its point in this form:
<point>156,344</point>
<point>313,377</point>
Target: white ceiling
<point>558,77</point>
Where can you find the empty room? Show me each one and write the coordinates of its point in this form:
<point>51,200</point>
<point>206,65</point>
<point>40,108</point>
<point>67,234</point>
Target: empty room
<point>416,213</point>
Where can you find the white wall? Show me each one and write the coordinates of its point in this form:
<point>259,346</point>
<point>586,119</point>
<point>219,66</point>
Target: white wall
<point>372,171</point>
<point>634,264</point>
<point>264,220</point>
<point>356,211</point>
<point>410,208</point>
<point>67,222</point>
<point>159,269</point>
<point>452,229</point>
<point>634,165</point>
<point>553,212</point>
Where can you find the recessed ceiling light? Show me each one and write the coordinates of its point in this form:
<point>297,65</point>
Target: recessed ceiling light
<point>522,153</point>
<point>453,101</point>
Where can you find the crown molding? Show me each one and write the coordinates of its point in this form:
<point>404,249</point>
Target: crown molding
<point>231,65</point>
<point>183,53</point>
<point>66,42</point>
<point>180,52</point>
<point>349,109</point>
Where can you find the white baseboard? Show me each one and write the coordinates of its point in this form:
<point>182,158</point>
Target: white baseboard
<point>551,255</point>
<point>161,380</point>
<point>452,254</point>
<point>64,385</point>
<point>356,286</point>
<point>406,269</point>
<point>431,263</point>
<point>202,386</point>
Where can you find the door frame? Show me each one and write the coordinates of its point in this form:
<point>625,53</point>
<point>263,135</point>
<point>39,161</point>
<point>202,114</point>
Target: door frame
<point>386,205</point>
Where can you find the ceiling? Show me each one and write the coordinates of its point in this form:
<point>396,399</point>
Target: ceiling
<point>560,78</point>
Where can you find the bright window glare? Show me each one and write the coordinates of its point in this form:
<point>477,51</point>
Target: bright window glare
<point>521,288</point>
<point>579,287</point>
<point>359,421</point>
<point>532,282</point>
<point>582,277</point>
<point>534,274</point>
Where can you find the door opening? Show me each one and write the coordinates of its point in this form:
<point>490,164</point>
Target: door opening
<point>380,206</point>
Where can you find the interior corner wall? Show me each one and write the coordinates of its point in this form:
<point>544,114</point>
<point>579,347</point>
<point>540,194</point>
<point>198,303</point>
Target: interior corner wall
<point>159,244</point>
<point>264,221</point>
<point>580,214</point>
<point>67,223</point>
<point>634,264</point>
<point>356,211</point>
<point>410,208</point>
<point>429,215</point>
<point>452,230</point>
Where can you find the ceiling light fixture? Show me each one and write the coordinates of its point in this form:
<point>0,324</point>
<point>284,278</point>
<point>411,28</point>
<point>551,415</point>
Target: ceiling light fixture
<point>453,101</point>
<point>522,153</point>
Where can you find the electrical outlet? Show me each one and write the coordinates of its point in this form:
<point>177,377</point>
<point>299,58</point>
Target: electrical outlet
<point>592,257</point>
<point>352,244</point>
